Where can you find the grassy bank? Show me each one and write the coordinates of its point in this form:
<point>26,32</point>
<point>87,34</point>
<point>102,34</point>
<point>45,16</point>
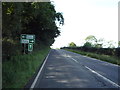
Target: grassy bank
<point>18,71</point>
<point>107,58</point>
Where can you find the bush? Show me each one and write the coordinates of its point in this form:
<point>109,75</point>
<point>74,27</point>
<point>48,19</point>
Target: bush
<point>117,52</point>
<point>108,58</point>
<point>10,49</point>
<point>72,44</point>
<point>87,44</point>
<point>19,69</point>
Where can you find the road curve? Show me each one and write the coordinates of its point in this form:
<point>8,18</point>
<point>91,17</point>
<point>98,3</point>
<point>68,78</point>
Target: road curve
<point>64,69</point>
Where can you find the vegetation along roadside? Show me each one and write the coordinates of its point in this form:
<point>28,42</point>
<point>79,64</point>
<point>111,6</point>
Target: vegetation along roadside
<point>18,71</point>
<point>107,58</point>
<point>31,18</point>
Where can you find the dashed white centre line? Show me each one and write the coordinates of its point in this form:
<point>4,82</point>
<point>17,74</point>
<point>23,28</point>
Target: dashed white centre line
<point>106,79</point>
<point>74,60</point>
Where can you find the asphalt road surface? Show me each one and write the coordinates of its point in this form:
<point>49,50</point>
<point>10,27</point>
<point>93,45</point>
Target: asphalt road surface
<point>64,69</point>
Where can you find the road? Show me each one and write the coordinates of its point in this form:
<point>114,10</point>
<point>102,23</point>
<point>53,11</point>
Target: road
<point>64,69</point>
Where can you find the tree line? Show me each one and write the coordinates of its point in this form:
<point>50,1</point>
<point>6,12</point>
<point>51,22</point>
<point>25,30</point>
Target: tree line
<point>38,18</point>
<point>92,41</point>
<point>95,45</point>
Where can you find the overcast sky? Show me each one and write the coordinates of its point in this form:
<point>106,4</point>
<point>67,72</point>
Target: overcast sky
<point>87,17</point>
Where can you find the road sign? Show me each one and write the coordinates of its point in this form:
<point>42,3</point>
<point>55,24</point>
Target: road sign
<point>30,37</point>
<point>31,40</point>
<point>25,41</point>
<point>30,47</point>
<point>23,36</point>
<point>26,38</point>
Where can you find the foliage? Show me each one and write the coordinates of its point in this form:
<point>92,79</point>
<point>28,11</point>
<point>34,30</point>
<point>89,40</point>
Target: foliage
<point>117,52</point>
<point>38,18</point>
<point>105,51</point>
<point>87,44</point>
<point>72,44</point>
<point>9,49</point>
<point>110,44</point>
<point>108,58</point>
<point>118,43</point>
<point>18,71</point>
<point>98,43</point>
<point>91,39</point>
<point>33,18</point>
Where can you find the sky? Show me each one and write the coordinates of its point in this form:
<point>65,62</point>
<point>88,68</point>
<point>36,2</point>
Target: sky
<point>87,17</point>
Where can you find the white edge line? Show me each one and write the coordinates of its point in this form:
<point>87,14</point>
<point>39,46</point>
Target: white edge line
<point>106,79</point>
<point>35,80</point>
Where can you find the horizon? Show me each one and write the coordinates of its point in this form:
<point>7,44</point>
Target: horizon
<point>96,17</point>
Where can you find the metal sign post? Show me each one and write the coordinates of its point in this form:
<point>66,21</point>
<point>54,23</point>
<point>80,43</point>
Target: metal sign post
<point>24,47</point>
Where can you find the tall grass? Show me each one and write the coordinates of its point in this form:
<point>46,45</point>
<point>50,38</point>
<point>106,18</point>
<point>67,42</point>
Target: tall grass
<point>107,58</point>
<point>17,72</point>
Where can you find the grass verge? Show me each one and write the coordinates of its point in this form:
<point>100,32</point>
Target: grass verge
<point>18,71</point>
<point>107,58</point>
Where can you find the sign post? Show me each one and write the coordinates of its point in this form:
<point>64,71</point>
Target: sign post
<point>24,48</point>
<point>29,40</point>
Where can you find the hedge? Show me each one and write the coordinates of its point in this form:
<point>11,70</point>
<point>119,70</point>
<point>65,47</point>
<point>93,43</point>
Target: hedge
<point>106,51</point>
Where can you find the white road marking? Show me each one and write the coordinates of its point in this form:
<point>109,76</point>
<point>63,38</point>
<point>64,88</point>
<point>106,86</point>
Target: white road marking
<point>106,79</point>
<point>95,59</point>
<point>35,80</point>
<point>74,60</point>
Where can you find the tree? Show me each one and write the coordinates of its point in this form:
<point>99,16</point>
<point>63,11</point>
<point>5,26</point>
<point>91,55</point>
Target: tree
<point>91,39</point>
<point>87,44</point>
<point>72,44</point>
<point>31,18</point>
<point>118,43</point>
<point>99,43</point>
<point>111,44</point>
<point>11,23</point>
<point>38,18</point>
